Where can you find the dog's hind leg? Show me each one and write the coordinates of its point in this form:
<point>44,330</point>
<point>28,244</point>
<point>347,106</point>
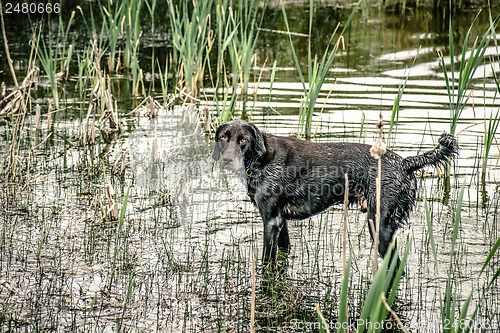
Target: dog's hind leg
<point>385,235</point>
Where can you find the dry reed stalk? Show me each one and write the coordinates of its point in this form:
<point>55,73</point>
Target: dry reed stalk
<point>49,117</point>
<point>252,306</point>
<point>377,150</point>
<point>123,165</point>
<point>18,123</point>
<point>37,119</point>
<point>393,313</point>
<point>323,322</point>
<point>344,234</point>
<point>205,115</point>
<point>154,149</point>
<point>113,209</point>
<point>105,99</point>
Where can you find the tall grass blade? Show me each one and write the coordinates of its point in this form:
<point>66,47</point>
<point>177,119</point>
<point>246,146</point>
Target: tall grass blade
<point>431,233</point>
<point>449,306</point>
<point>49,64</point>
<point>344,294</point>
<point>490,130</point>
<point>190,36</point>
<point>397,101</point>
<point>490,255</point>
<point>374,309</point>
<point>458,96</point>
<point>317,69</point>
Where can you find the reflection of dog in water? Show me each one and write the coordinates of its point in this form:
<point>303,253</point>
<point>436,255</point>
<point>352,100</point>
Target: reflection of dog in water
<point>288,178</point>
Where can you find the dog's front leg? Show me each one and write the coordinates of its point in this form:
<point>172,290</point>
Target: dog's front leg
<point>284,239</point>
<point>272,229</point>
<point>273,223</point>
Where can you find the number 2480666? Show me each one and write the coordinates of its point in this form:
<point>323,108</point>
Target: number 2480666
<point>32,8</point>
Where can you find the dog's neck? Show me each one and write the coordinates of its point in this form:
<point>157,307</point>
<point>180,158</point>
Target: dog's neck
<point>255,164</point>
<point>252,167</point>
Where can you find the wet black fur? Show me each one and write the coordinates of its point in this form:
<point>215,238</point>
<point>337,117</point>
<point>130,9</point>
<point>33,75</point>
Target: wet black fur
<point>288,178</point>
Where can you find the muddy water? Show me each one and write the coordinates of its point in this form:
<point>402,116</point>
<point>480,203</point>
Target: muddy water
<point>181,260</point>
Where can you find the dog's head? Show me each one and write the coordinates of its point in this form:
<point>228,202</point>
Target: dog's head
<point>236,142</point>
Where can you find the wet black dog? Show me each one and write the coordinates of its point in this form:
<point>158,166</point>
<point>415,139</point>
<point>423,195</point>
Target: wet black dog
<point>289,178</point>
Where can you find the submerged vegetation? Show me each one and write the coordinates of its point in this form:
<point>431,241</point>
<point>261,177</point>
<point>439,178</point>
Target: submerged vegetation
<point>112,216</point>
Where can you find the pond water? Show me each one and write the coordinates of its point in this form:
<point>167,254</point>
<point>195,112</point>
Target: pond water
<point>181,258</point>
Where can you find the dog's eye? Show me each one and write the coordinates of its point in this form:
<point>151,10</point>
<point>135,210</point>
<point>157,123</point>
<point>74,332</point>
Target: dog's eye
<point>224,138</point>
<point>243,140</point>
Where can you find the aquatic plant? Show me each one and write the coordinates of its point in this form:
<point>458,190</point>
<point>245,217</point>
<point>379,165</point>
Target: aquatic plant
<point>396,105</point>
<point>225,107</point>
<point>190,37</point>
<point>51,59</point>
<point>49,64</point>
<point>163,80</point>
<point>242,49</point>
<point>113,18</point>
<point>132,41</point>
<point>237,25</point>
<point>317,69</point>
<point>225,32</point>
<point>468,63</point>
<point>490,130</point>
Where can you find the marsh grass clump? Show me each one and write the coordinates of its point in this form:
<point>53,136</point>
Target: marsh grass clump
<point>191,37</point>
<point>55,55</point>
<point>458,89</point>
<point>317,69</point>
<point>490,130</point>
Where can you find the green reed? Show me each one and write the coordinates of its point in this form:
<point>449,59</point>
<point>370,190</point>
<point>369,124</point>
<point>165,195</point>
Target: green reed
<point>490,130</point>
<point>271,82</point>
<point>49,63</point>
<point>449,299</point>
<point>113,17</point>
<point>225,33</point>
<point>449,305</point>
<point>458,88</point>
<point>242,48</point>
<point>317,69</point>
<point>225,107</point>
<point>491,124</point>
<point>132,41</point>
<point>430,232</point>
<point>151,8</point>
<point>190,37</point>
<point>56,59</point>
<point>395,107</point>
<point>380,295</point>
<point>344,293</point>
<point>163,80</point>
<point>65,51</point>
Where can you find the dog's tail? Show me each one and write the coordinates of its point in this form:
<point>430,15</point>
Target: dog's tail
<point>445,151</point>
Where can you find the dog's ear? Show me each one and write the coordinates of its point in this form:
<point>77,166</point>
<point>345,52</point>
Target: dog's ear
<point>260,147</point>
<point>216,153</point>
